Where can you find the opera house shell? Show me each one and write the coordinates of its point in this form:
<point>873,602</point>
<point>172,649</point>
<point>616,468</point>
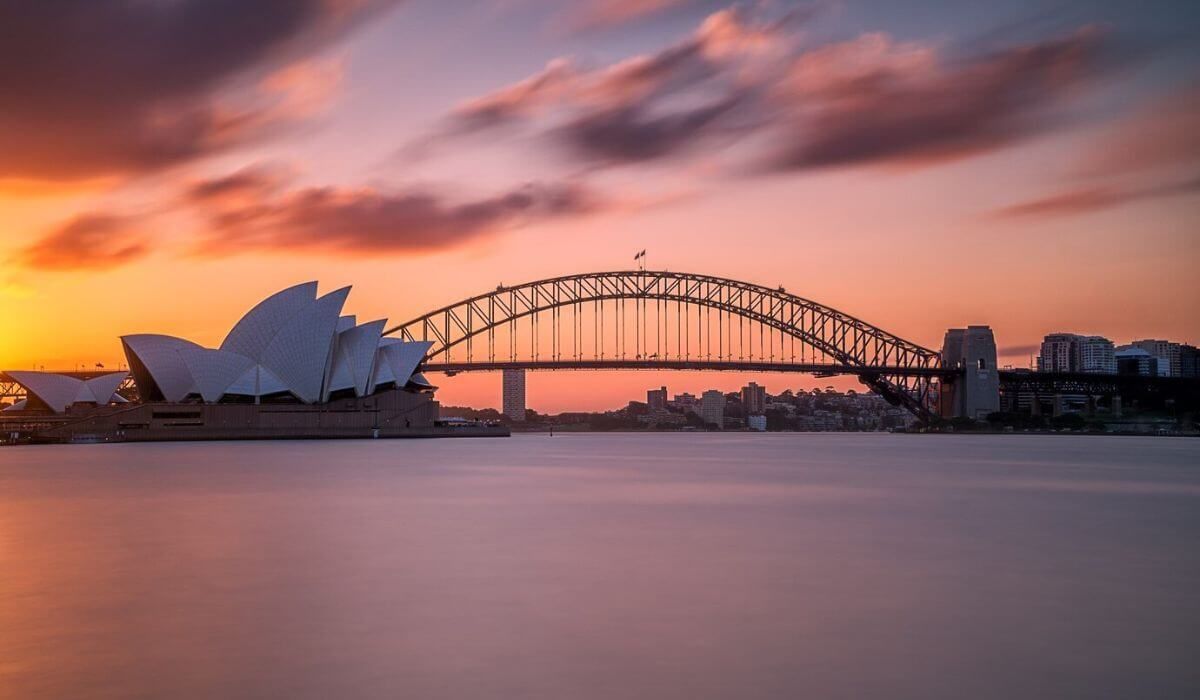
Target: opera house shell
<point>58,392</point>
<point>292,347</point>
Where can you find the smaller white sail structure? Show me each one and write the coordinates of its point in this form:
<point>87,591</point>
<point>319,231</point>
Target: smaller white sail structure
<point>58,392</point>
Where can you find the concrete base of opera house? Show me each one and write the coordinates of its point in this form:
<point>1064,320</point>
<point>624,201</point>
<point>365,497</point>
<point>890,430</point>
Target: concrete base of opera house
<point>388,414</point>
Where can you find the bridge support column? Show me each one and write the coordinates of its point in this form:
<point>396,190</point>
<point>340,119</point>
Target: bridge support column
<point>514,394</point>
<point>976,391</point>
<point>1116,406</point>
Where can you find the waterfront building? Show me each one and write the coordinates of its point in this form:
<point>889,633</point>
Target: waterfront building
<point>1058,353</point>
<point>712,408</point>
<point>663,418</point>
<point>754,399</point>
<point>757,423</point>
<point>687,402</point>
<point>656,399</point>
<point>292,347</point>
<point>514,394</point>
<point>1189,361</point>
<point>292,367</point>
<point>1071,352</point>
<point>1168,354</point>
<point>1136,361</point>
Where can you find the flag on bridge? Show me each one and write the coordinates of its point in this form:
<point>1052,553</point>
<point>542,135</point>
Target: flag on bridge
<point>640,255</point>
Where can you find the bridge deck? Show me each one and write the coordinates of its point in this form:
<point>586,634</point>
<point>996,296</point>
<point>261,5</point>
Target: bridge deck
<point>705,365</point>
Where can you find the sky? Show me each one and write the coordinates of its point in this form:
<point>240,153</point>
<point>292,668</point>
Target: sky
<point>165,164</point>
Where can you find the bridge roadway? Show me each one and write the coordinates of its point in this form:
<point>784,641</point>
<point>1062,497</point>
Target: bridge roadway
<point>819,369</point>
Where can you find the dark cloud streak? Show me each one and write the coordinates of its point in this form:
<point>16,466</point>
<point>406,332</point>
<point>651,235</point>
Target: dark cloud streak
<point>1092,199</point>
<point>367,221</point>
<point>864,101</point>
<point>103,87</point>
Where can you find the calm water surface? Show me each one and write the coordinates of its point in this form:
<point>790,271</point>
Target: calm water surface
<point>604,566</point>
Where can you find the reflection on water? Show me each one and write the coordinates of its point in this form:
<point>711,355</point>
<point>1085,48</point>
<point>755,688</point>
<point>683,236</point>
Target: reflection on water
<point>604,566</point>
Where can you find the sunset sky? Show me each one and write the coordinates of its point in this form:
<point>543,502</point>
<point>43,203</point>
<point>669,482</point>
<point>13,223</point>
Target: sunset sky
<point>164,164</point>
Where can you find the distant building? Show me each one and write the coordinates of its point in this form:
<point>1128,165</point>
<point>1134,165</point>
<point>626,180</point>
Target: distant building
<point>1058,353</point>
<point>1136,361</point>
<point>514,394</point>
<point>758,423</point>
<point>687,402</point>
<point>754,399</point>
<point>661,418</point>
<point>1168,354</point>
<point>1189,361</point>
<point>1071,352</point>
<point>656,399</point>
<point>712,408</point>
<point>1096,355</point>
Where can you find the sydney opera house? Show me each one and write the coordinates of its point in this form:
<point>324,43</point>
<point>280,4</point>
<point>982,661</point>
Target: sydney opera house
<point>292,367</point>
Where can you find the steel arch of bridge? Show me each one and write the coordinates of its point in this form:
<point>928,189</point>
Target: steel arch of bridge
<point>902,371</point>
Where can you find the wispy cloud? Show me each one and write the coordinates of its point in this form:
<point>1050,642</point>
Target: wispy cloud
<point>602,14</point>
<point>250,211</point>
<point>744,79</point>
<point>88,242</point>
<point>1092,199</point>
<point>111,87</point>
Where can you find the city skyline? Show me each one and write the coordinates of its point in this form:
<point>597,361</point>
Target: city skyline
<point>354,142</point>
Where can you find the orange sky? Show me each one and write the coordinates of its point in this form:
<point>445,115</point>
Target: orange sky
<point>1082,224</point>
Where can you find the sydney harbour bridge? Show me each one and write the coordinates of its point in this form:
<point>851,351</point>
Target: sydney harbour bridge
<point>647,319</point>
<point>643,319</point>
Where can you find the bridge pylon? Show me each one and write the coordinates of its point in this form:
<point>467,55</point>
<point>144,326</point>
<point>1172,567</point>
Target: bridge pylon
<point>974,391</point>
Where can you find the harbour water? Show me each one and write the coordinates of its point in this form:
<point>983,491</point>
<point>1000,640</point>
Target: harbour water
<point>604,566</point>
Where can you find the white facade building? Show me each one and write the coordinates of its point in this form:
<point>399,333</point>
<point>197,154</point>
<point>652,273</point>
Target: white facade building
<point>292,345</point>
<point>1071,352</point>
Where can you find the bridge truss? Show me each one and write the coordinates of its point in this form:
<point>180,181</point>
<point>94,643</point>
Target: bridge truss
<point>644,319</point>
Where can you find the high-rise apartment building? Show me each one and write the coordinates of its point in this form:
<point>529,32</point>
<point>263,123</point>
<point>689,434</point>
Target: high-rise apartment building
<point>656,399</point>
<point>754,399</point>
<point>712,408</point>
<point>514,394</point>
<point>1071,352</point>
<point>1058,353</point>
<point>1168,355</point>
<point>1096,355</point>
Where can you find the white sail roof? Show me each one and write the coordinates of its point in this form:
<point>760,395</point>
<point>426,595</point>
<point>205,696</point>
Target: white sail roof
<point>156,362</point>
<point>213,371</point>
<point>59,392</point>
<point>299,353</point>
<point>103,389</point>
<point>354,357</point>
<point>256,381</point>
<point>252,334</point>
<point>403,358</point>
